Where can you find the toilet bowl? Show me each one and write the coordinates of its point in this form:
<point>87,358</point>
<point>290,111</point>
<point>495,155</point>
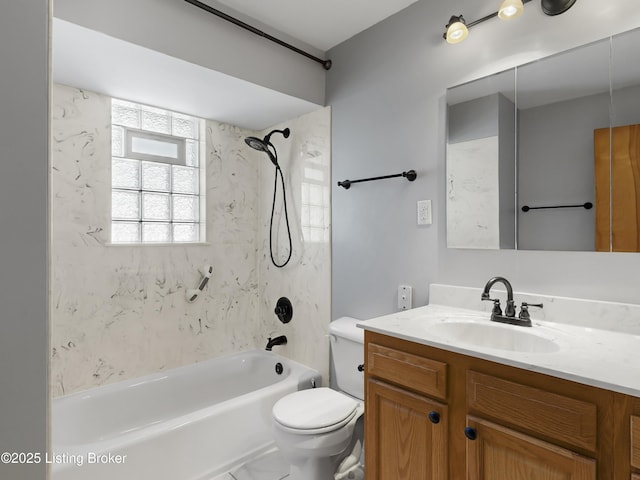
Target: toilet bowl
<point>314,429</point>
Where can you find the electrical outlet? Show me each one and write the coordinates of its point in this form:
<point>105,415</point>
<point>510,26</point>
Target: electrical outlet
<point>424,212</point>
<point>405,294</point>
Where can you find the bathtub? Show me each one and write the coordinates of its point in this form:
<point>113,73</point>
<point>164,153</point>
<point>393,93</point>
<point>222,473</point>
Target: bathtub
<point>188,423</point>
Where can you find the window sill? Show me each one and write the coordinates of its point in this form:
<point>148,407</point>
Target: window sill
<point>176,244</point>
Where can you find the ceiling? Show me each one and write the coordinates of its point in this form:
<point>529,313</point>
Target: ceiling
<point>323,24</point>
<point>94,61</point>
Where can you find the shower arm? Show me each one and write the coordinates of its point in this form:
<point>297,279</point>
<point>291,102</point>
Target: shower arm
<point>285,134</point>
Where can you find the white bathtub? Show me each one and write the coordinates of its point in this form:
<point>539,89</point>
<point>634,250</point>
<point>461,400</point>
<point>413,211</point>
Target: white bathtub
<point>189,423</point>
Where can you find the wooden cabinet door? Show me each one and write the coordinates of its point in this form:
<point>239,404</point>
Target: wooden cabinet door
<point>498,453</point>
<point>635,441</point>
<point>405,435</point>
<point>617,188</point>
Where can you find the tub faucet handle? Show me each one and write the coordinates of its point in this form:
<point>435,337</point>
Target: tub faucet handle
<point>284,310</point>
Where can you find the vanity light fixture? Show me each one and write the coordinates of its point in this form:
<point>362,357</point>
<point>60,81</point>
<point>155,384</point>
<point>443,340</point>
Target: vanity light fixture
<point>556,7</point>
<point>510,9</point>
<point>458,29</point>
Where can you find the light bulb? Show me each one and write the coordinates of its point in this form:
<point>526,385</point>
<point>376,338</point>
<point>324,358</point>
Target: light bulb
<point>457,31</point>
<point>510,9</point>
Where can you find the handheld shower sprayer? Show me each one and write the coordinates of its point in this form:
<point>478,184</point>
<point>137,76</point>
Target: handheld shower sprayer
<point>265,145</point>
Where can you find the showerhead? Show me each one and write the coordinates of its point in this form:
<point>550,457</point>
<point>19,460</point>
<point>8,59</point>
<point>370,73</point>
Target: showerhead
<point>264,144</point>
<point>267,147</point>
<point>256,143</point>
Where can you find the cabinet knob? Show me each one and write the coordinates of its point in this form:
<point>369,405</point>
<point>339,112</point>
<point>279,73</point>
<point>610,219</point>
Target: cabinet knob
<point>434,417</point>
<point>470,433</point>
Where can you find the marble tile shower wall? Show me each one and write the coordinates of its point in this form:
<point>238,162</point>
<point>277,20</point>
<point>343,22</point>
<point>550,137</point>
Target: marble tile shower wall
<point>305,158</point>
<point>120,312</point>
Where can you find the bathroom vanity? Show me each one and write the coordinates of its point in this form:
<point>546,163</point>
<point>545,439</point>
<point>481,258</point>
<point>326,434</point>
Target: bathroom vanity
<point>554,401</point>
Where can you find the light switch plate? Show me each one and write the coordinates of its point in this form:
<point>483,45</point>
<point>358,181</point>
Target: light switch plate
<point>424,212</point>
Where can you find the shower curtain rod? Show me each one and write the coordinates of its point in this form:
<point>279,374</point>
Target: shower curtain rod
<point>325,63</point>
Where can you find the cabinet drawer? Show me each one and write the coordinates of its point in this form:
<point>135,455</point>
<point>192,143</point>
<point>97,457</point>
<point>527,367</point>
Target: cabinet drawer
<point>408,370</point>
<point>635,441</point>
<point>565,419</point>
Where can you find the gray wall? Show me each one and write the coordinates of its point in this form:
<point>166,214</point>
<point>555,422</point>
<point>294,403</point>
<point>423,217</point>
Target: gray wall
<point>24,143</point>
<point>625,106</point>
<point>555,166</point>
<point>477,118</point>
<point>387,93</point>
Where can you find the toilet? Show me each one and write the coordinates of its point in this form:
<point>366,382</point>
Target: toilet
<point>319,430</point>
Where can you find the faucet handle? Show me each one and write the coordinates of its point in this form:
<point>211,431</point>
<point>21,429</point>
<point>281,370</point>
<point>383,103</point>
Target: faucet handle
<point>539,305</point>
<point>524,309</point>
<point>496,305</point>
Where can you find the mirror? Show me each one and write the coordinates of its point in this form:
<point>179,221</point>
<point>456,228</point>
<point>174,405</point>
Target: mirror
<point>545,184</point>
<point>561,101</point>
<point>624,198</point>
<point>481,163</point>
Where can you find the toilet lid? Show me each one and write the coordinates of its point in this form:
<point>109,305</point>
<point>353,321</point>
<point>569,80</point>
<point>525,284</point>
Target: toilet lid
<point>313,409</point>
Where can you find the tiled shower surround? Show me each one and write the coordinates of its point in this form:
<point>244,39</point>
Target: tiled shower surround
<point>120,311</point>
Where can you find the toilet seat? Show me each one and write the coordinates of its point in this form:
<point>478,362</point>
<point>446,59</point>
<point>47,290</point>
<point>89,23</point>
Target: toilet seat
<point>314,411</point>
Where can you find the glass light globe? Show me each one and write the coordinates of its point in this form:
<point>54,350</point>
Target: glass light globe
<point>457,32</point>
<point>510,9</point>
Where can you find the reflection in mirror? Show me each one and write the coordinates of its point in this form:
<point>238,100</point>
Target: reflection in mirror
<point>561,100</point>
<point>481,163</point>
<point>578,142</point>
<point>624,144</point>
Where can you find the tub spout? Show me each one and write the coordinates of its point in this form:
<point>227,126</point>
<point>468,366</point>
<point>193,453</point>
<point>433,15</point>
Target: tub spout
<point>272,342</point>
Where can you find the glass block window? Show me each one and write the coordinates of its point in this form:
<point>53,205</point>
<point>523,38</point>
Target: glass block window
<point>315,209</point>
<point>156,175</point>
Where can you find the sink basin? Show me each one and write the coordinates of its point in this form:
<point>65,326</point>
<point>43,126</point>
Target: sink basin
<point>494,335</point>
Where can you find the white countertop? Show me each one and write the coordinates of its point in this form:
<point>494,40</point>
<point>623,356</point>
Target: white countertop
<point>600,358</point>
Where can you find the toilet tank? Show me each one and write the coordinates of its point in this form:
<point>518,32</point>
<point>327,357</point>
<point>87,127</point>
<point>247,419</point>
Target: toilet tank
<point>347,353</point>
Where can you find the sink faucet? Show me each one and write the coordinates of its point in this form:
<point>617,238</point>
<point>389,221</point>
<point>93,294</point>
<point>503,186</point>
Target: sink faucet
<point>510,309</point>
<point>524,320</point>
<point>272,342</point>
